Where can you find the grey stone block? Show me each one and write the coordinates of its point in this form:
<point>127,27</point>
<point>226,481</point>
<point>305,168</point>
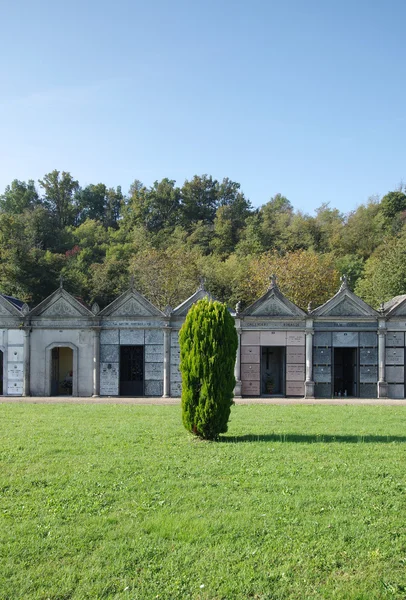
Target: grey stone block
<point>175,338</point>
<point>109,353</point>
<point>322,374</point>
<point>322,390</point>
<point>368,356</point>
<point>395,374</point>
<point>154,336</point>
<point>396,391</point>
<point>175,375</point>
<point>322,338</point>
<point>368,374</point>
<point>368,338</point>
<point>368,390</point>
<point>322,356</point>
<point>109,336</point>
<point>132,337</point>
<point>176,389</point>
<point>153,388</point>
<point>154,353</point>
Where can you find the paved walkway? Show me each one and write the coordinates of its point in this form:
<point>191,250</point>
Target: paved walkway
<point>174,401</point>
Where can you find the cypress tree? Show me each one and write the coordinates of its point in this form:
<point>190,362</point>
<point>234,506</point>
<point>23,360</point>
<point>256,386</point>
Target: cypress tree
<point>208,346</point>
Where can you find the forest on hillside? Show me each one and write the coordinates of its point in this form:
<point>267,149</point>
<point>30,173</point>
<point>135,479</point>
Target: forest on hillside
<point>168,237</point>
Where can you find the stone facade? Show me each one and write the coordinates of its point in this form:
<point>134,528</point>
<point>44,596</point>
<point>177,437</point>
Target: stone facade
<point>342,348</point>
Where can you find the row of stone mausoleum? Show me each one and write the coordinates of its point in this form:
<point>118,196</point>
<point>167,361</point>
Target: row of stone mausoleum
<point>343,348</point>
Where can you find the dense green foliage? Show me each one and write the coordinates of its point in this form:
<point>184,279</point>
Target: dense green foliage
<point>168,236</point>
<point>115,502</point>
<point>208,346</point>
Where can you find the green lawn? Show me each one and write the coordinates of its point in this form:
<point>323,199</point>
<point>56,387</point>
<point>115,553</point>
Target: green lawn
<point>295,502</point>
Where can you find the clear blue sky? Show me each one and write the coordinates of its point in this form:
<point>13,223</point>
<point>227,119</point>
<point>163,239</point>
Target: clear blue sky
<point>302,97</point>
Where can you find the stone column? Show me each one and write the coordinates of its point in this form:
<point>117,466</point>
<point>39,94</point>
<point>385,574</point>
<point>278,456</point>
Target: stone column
<point>26,380</point>
<point>96,362</point>
<point>237,368</point>
<point>309,383</point>
<point>167,362</point>
<point>382,385</point>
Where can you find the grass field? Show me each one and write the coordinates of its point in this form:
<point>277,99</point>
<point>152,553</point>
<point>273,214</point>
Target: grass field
<point>299,502</point>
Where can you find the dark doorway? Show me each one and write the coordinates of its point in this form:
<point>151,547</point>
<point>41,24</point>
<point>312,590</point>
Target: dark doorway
<point>345,371</point>
<point>131,371</point>
<point>61,371</point>
<point>272,370</point>
<point>1,373</point>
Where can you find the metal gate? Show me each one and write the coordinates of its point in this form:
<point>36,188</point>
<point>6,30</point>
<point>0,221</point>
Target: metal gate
<point>131,370</point>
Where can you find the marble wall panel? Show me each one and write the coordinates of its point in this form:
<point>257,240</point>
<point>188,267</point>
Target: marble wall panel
<point>153,388</point>
<point>154,336</point>
<point>175,338</point>
<point>250,372</point>
<point>154,353</point>
<point>15,388</point>
<point>294,388</point>
<point>322,338</point>
<point>322,356</point>
<point>368,356</point>
<point>109,336</point>
<point>368,390</point>
<point>322,390</point>
<point>250,388</point>
<point>15,337</point>
<point>15,353</point>
<point>272,338</point>
<point>15,371</point>
<point>109,379</point>
<point>396,391</point>
<point>153,371</point>
<point>395,356</point>
<point>131,337</point>
<point>368,374</point>
<point>295,339</point>
<point>295,354</point>
<point>250,338</point>
<point>322,374</point>
<point>176,389</point>
<point>368,338</point>
<point>395,374</point>
<point>295,373</point>
<point>175,375</point>
<point>109,353</point>
<point>396,339</point>
<point>250,354</point>
<point>345,339</point>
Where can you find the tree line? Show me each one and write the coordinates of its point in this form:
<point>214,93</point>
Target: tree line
<point>168,237</point>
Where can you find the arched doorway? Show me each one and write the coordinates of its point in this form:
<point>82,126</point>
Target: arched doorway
<point>62,371</point>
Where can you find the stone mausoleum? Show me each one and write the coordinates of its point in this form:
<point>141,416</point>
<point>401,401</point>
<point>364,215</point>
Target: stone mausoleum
<point>343,348</point>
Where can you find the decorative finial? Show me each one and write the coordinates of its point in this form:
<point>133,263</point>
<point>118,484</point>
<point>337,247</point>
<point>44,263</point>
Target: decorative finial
<point>344,282</point>
<point>202,281</point>
<point>309,307</point>
<point>25,309</point>
<point>382,308</point>
<point>132,283</point>
<point>273,283</point>
<point>95,308</point>
<point>168,310</point>
<point>61,281</point>
<point>238,307</point>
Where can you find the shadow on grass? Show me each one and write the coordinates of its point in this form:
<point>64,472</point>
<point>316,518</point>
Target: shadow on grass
<point>314,439</point>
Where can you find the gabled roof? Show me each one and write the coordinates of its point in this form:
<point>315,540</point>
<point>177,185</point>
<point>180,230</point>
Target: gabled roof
<point>131,304</point>
<point>344,304</point>
<point>396,306</point>
<point>273,304</point>
<point>60,304</point>
<point>183,308</point>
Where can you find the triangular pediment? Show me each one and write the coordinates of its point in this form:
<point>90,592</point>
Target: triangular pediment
<point>131,304</point>
<point>60,305</point>
<point>396,307</point>
<point>274,304</point>
<point>345,304</point>
<point>7,309</point>
<point>183,309</point>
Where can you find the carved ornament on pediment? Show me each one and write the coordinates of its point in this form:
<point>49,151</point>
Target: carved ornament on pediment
<point>131,308</point>
<point>60,308</point>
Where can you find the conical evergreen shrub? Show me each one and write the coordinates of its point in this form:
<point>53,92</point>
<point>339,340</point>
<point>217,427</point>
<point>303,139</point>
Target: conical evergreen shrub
<point>208,346</point>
